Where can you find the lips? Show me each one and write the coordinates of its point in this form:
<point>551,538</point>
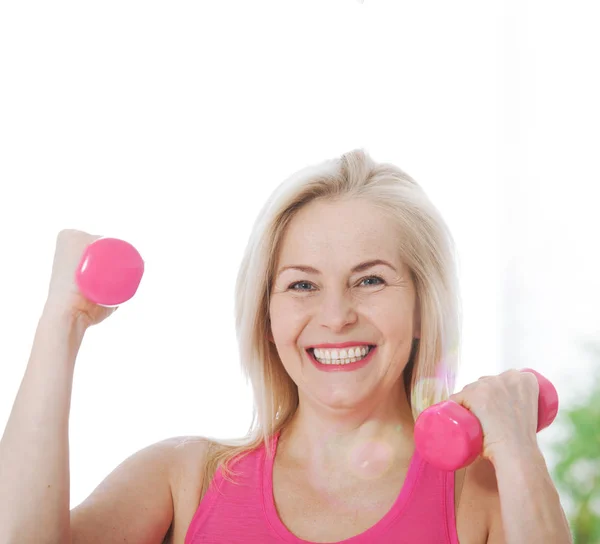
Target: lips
<point>311,350</point>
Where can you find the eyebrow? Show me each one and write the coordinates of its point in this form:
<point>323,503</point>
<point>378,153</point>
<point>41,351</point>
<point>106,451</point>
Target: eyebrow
<point>361,267</point>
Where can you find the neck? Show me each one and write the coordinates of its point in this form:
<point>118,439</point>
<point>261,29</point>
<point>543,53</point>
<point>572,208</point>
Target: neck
<point>366,441</point>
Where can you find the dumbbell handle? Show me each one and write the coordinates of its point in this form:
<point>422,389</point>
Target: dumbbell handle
<point>109,272</point>
<point>449,437</point>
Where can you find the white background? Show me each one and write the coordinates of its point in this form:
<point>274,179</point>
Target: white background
<point>169,125</point>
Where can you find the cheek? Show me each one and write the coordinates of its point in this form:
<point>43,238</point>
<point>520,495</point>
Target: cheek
<point>278,329</point>
<point>393,322</point>
<point>390,309</point>
<point>287,315</point>
<point>284,325</point>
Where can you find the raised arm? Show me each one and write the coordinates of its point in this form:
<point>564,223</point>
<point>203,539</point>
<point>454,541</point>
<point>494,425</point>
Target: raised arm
<point>134,503</point>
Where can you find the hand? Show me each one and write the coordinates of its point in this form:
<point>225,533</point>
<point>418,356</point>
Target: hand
<point>507,409</point>
<point>64,297</point>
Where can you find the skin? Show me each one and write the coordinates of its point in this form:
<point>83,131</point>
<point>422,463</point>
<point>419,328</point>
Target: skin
<point>362,416</point>
<point>351,427</point>
<point>342,460</point>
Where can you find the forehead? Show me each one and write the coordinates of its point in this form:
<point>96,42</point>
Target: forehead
<point>339,231</point>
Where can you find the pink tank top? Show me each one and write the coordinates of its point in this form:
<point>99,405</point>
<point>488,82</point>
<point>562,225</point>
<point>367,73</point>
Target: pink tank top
<point>245,513</point>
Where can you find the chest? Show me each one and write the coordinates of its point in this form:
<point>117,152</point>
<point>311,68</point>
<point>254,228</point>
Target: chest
<point>329,513</point>
<point>335,511</point>
<point>331,510</point>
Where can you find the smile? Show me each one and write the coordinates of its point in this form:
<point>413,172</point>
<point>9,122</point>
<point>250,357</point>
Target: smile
<point>330,361</point>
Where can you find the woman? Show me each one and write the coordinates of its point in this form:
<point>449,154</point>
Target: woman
<point>347,317</point>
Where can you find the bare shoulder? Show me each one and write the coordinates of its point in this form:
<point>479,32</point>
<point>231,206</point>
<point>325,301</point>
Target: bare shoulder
<point>479,507</point>
<point>188,460</point>
<point>189,454</point>
<point>134,503</point>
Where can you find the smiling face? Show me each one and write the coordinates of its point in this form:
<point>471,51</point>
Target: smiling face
<point>331,301</point>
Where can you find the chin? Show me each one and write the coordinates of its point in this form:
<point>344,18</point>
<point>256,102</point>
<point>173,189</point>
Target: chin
<point>342,399</point>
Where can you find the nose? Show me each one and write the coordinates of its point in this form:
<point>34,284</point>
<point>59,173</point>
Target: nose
<point>336,310</point>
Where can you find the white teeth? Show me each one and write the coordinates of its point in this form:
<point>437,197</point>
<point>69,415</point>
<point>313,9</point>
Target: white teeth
<point>341,356</point>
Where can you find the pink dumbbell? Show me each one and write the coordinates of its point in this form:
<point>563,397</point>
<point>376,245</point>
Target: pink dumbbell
<point>449,437</point>
<point>109,272</point>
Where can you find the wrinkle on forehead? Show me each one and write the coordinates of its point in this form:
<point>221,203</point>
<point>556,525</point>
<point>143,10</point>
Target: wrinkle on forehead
<point>315,234</point>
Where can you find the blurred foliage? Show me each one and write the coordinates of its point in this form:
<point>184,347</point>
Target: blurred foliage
<point>577,471</point>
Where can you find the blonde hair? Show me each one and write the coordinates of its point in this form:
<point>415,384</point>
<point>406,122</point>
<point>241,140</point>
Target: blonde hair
<point>428,250</point>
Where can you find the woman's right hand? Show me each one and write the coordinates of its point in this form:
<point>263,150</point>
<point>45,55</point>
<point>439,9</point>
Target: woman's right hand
<point>64,297</point>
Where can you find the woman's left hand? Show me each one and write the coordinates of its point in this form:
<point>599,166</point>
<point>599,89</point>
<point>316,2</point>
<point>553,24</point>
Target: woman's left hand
<point>507,409</point>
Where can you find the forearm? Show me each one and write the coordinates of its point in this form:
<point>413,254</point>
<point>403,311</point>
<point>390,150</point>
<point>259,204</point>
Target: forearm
<point>530,504</point>
<point>34,450</point>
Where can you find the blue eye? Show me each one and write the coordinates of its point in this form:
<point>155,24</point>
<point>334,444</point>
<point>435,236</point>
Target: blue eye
<point>298,283</point>
<point>379,280</point>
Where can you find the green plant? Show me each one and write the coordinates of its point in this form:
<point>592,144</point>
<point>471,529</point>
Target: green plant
<point>577,470</point>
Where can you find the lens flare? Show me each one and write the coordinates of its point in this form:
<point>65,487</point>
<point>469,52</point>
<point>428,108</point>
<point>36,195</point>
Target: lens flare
<point>370,460</point>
